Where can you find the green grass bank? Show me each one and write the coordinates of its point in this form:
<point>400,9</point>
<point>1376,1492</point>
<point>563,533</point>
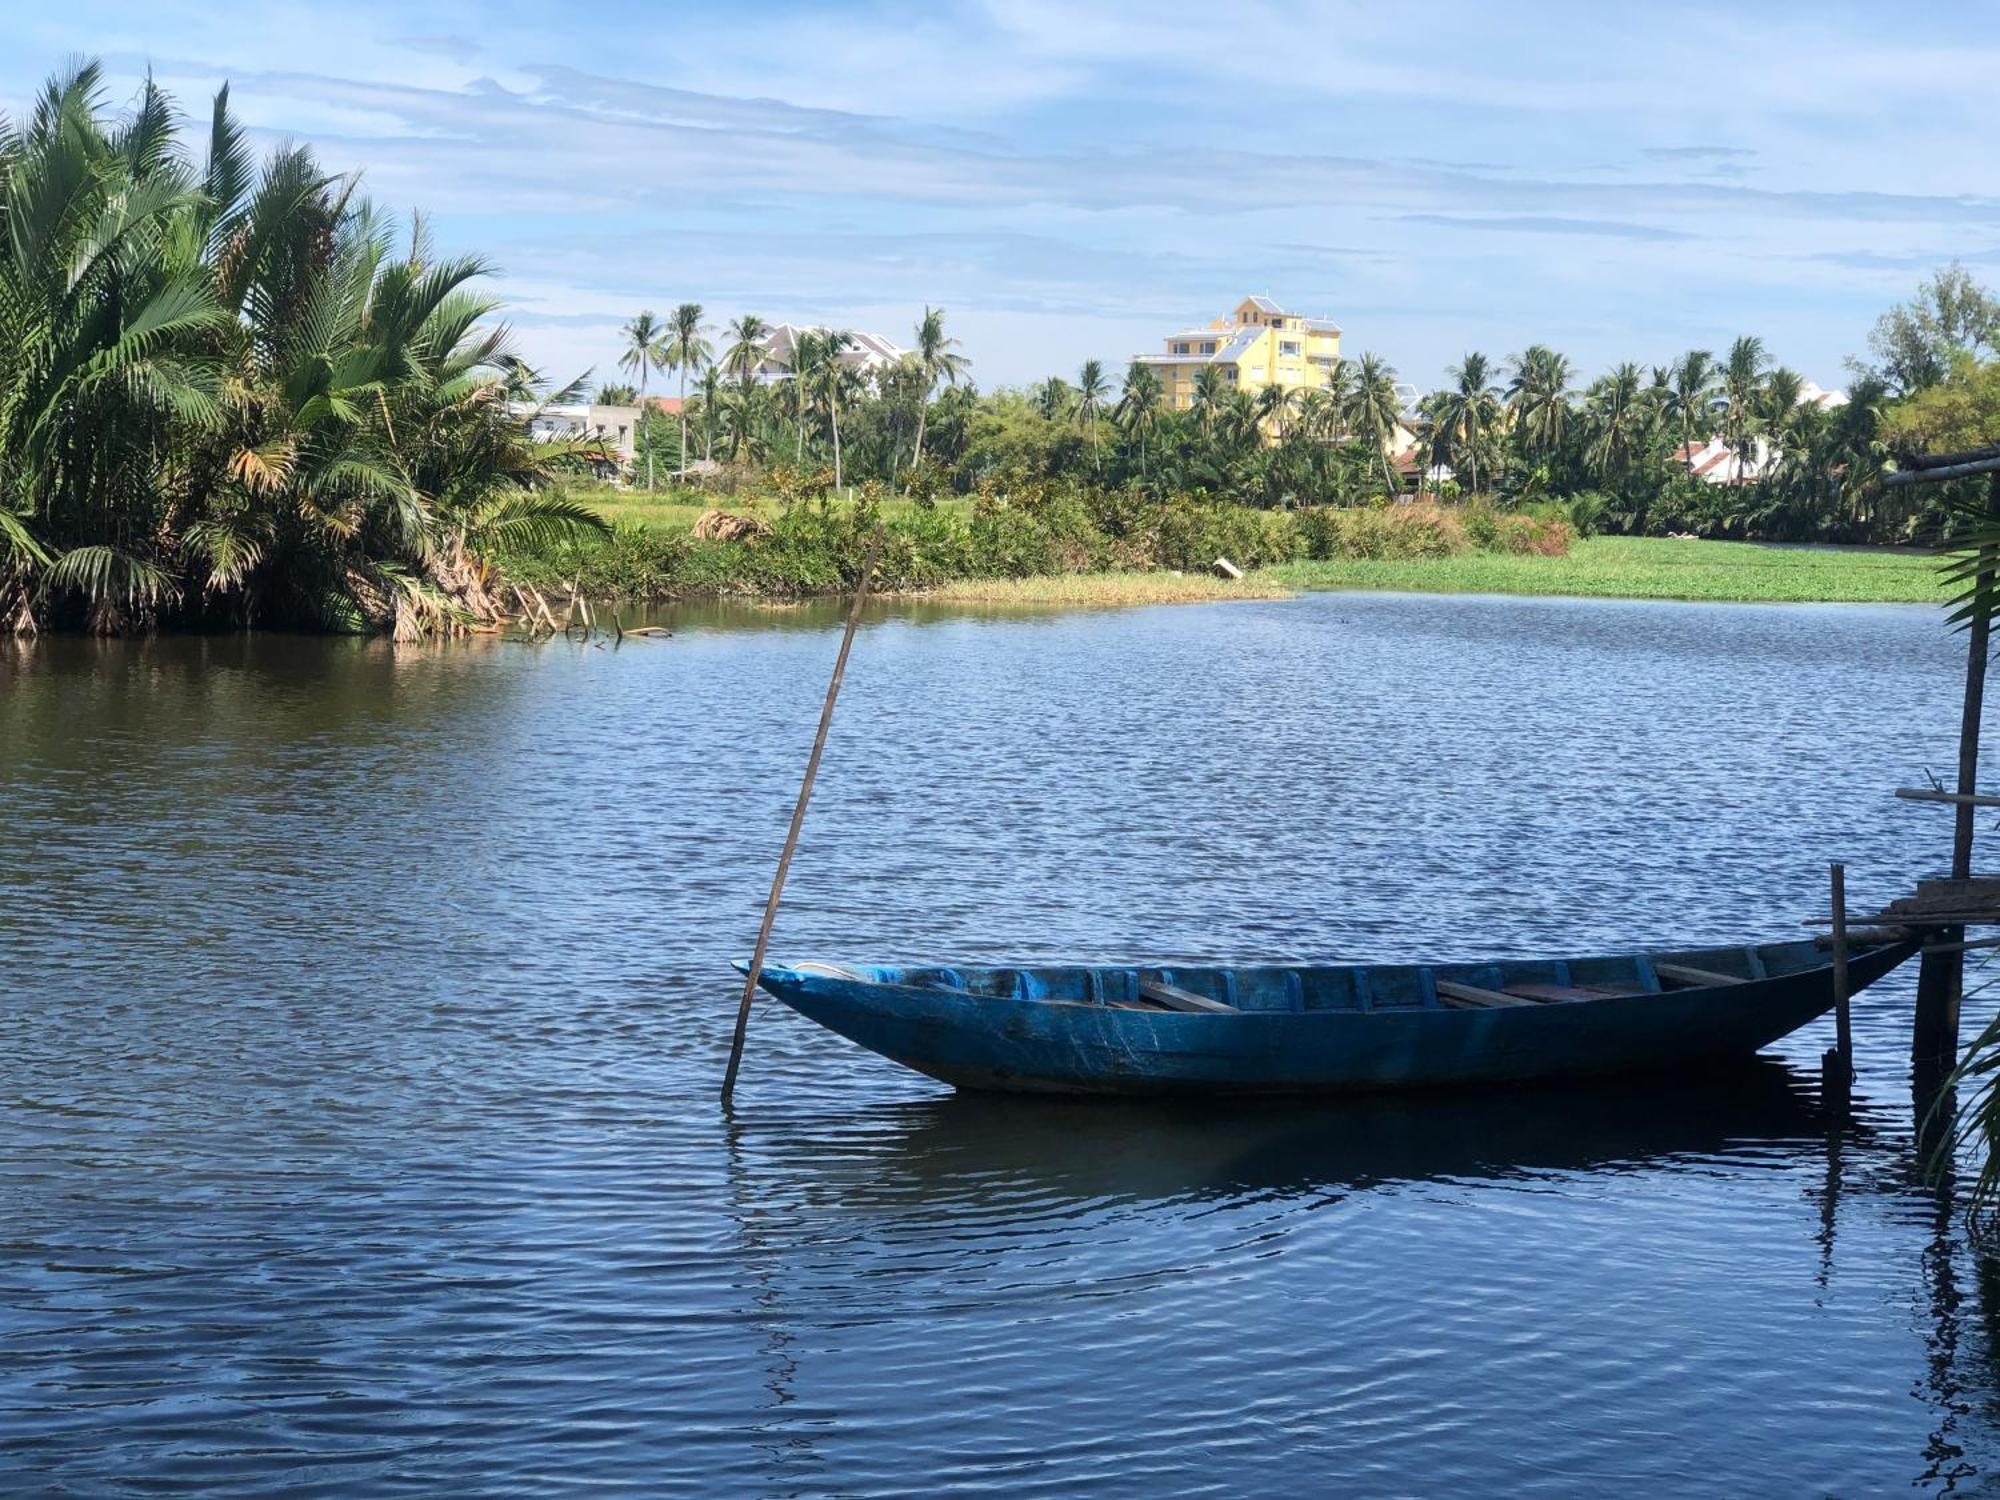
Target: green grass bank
<point>1647,568</point>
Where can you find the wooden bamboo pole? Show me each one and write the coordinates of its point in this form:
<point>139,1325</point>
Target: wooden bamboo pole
<point>798,822</point>
<point>1941,973</point>
<point>1843,1025</point>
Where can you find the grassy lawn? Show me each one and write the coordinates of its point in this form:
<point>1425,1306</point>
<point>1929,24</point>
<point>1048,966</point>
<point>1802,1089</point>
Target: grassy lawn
<point>1648,568</point>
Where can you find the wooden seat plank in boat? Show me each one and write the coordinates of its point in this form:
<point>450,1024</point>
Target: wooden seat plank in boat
<point>1688,974</point>
<point>1173,997</point>
<point>1452,993</point>
<point>1552,993</point>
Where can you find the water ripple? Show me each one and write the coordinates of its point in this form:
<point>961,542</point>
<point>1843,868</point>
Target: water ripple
<point>362,1010</point>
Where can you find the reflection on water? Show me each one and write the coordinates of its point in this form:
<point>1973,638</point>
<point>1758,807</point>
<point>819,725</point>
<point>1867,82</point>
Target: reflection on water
<point>363,1008</point>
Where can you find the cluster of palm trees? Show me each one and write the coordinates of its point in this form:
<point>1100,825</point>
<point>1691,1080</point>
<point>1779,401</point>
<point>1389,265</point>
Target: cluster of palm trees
<point>755,398</point>
<point>1231,441</point>
<point>1796,467</point>
<point>233,394</point>
<point>1522,430</point>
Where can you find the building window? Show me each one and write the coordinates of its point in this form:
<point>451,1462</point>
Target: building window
<point>1209,347</point>
<point>1180,348</point>
<point>1289,347</point>
<point>1229,372</point>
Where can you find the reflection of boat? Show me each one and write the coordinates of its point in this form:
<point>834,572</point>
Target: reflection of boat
<point>1124,1030</point>
<point>1053,1151</point>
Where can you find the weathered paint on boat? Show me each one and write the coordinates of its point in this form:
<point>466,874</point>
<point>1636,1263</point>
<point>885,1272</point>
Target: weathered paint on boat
<point>1318,1029</point>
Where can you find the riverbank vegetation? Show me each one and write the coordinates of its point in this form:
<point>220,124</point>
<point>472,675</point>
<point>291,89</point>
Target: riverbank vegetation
<point>233,396</point>
<point>815,543</point>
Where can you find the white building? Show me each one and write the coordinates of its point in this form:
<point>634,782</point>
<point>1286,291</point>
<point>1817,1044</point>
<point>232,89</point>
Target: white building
<point>869,353</point>
<point>617,427</point>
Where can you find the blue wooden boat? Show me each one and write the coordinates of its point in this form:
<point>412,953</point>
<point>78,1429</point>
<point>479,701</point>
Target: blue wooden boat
<point>1283,1029</point>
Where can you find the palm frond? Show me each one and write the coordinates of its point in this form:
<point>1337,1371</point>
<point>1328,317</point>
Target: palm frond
<point>105,575</point>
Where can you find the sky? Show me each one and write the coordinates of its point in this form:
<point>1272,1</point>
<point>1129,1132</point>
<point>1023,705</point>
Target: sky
<point>1076,180</point>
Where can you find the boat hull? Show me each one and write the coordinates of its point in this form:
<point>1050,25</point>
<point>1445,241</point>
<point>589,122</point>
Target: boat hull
<point>1041,1045</point>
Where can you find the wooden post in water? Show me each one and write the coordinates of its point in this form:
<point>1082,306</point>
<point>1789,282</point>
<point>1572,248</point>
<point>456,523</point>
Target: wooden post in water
<point>1838,1065</point>
<point>798,822</point>
<point>1941,975</point>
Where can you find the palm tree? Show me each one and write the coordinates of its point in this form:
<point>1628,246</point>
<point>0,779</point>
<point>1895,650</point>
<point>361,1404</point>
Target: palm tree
<point>1742,379</point>
<point>1091,389</point>
<point>1435,431</point>
<point>935,361</point>
<point>645,351</point>
<point>1138,409</point>
<point>1272,402</point>
<point>711,406</point>
<point>833,376</point>
<point>687,349</point>
<point>803,371</point>
<point>1339,390</point>
<point>1318,413</point>
<point>1211,394</point>
<point>1620,414</point>
<point>1538,394</point>
<point>746,347</point>
<point>1690,385</point>
<point>1471,407</point>
<point>1375,410</point>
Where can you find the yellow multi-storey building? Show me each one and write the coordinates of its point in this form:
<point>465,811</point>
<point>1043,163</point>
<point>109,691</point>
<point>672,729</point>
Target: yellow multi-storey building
<point>1259,344</point>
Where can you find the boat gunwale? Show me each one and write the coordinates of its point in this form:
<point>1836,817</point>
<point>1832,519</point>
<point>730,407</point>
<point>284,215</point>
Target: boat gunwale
<point>808,979</point>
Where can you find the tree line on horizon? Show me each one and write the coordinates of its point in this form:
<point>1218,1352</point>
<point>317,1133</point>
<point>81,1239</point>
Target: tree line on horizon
<point>1613,451</point>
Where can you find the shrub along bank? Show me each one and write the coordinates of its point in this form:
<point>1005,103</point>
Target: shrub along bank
<point>818,545</point>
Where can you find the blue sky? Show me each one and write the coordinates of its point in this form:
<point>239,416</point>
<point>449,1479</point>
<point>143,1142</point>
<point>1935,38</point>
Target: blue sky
<point>1073,179</point>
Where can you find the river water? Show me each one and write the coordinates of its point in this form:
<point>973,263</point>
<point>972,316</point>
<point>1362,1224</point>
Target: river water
<point>362,1010</point>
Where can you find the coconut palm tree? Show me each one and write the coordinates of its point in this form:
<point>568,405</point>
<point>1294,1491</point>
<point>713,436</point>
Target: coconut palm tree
<point>645,350</point>
<point>1620,414</point>
<point>1690,387</point>
<point>1272,402</point>
<point>1473,404</point>
<point>832,379</point>
<point>746,347</point>
<point>711,409</point>
<point>1138,409</point>
<point>802,371</point>
<point>1539,396</point>
<point>936,360</point>
<point>1091,389</point>
<point>687,348</point>
<point>1434,426</point>
<point>1339,392</point>
<point>1742,382</point>
<point>1375,410</point>
<point>1211,394</point>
